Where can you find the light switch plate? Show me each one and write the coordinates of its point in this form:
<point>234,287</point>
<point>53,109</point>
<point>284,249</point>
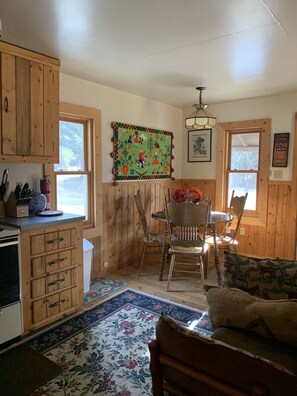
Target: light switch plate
<point>278,173</point>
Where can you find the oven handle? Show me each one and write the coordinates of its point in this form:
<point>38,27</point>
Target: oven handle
<point>8,244</point>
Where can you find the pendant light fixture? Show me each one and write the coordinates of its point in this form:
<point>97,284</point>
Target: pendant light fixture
<point>200,119</point>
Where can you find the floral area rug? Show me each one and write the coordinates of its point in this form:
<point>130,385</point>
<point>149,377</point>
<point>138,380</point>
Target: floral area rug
<point>104,350</point>
<point>100,286</point>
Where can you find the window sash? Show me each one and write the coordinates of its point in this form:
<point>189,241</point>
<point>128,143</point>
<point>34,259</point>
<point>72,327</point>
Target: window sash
<point>87,164</point>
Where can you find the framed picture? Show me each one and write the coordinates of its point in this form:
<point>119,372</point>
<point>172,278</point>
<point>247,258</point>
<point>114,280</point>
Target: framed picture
<point>280,150</point>
<point>199,145</point>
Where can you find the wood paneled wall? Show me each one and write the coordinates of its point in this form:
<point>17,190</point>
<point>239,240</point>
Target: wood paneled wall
<point>122,237</point>
<point>277,237</point>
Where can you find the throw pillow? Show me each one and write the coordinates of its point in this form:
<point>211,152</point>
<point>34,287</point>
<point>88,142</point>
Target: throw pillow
<point>275,319</point>
<point>272,279</point>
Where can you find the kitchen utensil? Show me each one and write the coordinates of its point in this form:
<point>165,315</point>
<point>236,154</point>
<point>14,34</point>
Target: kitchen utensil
<point>4,184</point>
<point>17,191</point>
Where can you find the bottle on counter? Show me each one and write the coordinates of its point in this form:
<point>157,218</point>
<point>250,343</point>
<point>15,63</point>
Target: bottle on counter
<point>45,189</point>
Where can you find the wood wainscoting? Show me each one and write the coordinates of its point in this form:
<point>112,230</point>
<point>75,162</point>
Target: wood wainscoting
<point>277,238</point>
<point>122,237</point>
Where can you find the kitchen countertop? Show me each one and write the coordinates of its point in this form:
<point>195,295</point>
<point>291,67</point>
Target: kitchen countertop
<point>35,221</point>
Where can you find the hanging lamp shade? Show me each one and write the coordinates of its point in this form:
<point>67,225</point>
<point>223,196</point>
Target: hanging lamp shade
<point>201,118</point>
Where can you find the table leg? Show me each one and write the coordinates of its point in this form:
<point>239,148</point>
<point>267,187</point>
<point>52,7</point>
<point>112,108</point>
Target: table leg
<point>164,254</point>
<point>216,254</point>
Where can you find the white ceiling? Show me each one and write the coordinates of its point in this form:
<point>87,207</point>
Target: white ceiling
<point>163,49</point>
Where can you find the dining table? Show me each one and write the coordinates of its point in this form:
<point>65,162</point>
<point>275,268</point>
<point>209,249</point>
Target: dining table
<point>215,218</point>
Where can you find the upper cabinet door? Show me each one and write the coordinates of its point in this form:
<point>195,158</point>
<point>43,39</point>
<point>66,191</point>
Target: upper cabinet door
<point>29,124</point>
<point>8,108</point>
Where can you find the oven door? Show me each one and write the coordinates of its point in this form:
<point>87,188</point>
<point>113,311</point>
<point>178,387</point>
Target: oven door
<point>9,271</point>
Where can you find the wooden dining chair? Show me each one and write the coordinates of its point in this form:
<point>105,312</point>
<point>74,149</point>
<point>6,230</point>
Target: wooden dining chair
<point>187,224</point>
<point>228,238</point>
<point>151,241</point>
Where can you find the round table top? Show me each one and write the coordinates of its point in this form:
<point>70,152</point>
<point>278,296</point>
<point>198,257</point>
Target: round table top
<point>215,217</point>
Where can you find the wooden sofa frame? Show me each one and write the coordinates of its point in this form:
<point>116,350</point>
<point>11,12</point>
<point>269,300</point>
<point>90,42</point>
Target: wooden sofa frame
<point>159,361</point>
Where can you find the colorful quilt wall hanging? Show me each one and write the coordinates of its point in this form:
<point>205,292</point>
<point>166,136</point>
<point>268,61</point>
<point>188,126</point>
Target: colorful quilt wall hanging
<point>141,153</point>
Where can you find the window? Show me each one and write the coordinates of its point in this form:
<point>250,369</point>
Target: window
<point>74,172</point>
<point>243,166</point>
<point>243,156</point>
<point>76,180</point>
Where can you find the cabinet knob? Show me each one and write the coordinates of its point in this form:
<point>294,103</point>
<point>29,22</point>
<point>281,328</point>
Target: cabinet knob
<point>55,240</point>
<point>6,109</point>
<point>56,282</point>
<point>58,261</point>
<point>56,304</point>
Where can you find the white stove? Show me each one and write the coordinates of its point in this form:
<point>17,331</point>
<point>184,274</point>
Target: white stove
<point>10,287</point>
<point>7,231</point>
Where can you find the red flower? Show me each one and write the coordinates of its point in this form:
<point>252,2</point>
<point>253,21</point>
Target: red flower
<point>129,332</point>
<point>125,324</point>
<point>124,393</point>
<point>131,363</point>
<point>184,194</point>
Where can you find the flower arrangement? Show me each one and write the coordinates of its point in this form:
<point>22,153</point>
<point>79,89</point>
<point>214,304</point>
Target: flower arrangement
<point>187,194</point>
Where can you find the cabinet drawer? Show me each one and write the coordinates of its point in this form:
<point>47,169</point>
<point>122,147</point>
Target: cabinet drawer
<point>53,305</point>
<point>50,242</point>
<point>51,283</point>
<point>51,262</point>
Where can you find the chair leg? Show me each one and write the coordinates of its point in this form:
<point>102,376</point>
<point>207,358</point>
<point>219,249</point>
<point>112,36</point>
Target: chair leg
<point>142,258</point>
<point>163,258</point>
<point>202,270</point>
<point>172,261</point>
<point>206,264</point>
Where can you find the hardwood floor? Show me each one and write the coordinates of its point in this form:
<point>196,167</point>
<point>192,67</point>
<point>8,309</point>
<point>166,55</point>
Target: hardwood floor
<point>188,289</point>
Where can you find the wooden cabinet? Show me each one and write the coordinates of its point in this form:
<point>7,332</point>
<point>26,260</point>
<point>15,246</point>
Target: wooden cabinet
<point>52,273</point>
<point>29,106</point>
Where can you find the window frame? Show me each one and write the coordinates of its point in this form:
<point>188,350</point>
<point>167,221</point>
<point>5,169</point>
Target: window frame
<point>88,162</point>
<point>229,171</point>
<point>92,118</point>
<point>258,217</point>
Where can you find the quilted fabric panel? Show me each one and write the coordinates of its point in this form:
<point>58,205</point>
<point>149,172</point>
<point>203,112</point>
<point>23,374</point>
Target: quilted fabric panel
<point>271,279</point>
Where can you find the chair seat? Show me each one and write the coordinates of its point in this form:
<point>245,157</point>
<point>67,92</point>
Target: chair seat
<point>188,249</point>
<point>221,240</point>
<point>158,238</point>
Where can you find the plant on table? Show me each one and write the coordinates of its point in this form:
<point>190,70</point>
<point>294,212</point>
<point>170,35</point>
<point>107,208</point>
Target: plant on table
<point>192,194</point>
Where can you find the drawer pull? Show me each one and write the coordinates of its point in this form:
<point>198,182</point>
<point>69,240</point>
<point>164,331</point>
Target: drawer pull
<point>55,240</point>
<point>56,282</point>
<point>57,304</point>
<point>58,261</point>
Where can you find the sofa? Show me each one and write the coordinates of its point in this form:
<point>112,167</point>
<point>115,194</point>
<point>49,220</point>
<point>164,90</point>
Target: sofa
<point>253,350</point>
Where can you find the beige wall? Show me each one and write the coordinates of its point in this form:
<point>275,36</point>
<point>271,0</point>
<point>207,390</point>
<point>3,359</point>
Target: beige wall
<point>119,106</point>
<point>281,110</point>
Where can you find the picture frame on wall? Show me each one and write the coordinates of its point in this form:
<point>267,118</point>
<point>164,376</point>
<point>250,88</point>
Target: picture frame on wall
<point>280,149</point>
<point>199,145</point>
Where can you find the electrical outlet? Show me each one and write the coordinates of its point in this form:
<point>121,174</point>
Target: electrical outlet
<point>242,231</point>
<point>278,173</point>
<point>105,264</point>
